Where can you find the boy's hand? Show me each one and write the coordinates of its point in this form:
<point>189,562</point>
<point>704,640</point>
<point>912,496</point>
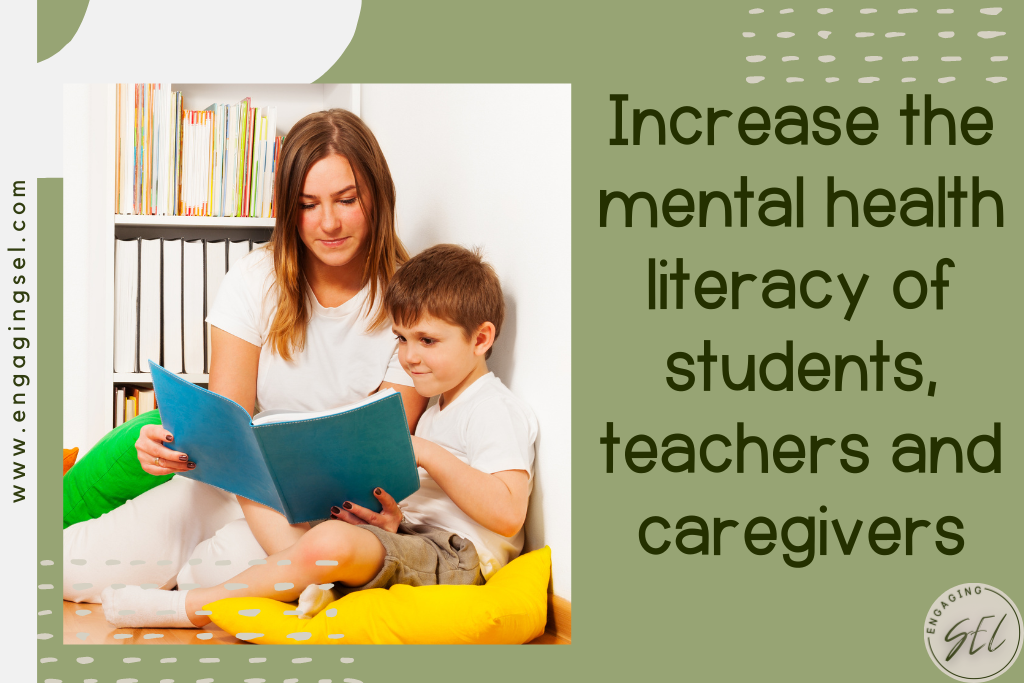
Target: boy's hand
<point>387,519</point>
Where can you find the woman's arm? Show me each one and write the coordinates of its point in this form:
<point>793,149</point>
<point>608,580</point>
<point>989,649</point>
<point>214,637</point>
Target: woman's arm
<point>233,367</point>
<point>413,402</point>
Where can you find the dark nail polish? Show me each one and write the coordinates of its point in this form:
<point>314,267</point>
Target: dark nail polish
<point>183,457</point>
<point>347,505</point>
<point>169,438</point>
<point>191,465</point>
<point>377,491</point>
<point>335,510</point>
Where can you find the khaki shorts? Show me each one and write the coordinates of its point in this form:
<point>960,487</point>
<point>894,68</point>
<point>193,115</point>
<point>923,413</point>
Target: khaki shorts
<point>423,555</point>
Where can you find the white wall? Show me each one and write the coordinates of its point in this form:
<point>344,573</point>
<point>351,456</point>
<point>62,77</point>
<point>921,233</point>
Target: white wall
<point>489,166</point>
<point>86,219</point>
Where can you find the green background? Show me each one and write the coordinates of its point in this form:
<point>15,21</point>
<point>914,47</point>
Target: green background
<point>736,616</point>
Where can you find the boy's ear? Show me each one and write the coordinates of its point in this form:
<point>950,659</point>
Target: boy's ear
<point>483,339</point>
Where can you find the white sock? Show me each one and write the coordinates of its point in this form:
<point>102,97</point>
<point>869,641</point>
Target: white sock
<point>312,600</point>
<point>135,607</point>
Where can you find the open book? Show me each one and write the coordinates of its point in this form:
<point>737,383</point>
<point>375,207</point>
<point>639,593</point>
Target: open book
<point>300,464</point>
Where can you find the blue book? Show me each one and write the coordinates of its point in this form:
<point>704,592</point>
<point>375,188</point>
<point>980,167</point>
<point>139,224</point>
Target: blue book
<point>300,464</point>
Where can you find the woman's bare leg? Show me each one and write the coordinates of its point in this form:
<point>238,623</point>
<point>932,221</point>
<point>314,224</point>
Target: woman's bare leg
<point>358,553</point>
<point>270,527</point>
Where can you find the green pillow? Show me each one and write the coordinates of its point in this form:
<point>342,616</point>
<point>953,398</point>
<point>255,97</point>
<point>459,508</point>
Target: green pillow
<point>109,474</point>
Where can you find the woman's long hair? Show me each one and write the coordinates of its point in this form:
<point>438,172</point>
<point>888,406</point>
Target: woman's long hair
<point>313,138</point>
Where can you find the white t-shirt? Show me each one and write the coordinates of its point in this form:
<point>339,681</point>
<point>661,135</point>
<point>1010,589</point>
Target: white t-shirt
<point>341,363</point>
<point>491,430</point>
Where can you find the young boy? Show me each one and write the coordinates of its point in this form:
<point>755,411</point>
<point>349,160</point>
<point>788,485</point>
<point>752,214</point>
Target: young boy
<point>474,448</point>
<point>475,445</point>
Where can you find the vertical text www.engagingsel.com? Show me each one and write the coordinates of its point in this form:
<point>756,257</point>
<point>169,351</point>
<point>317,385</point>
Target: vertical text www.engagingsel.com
<point>19,337</point>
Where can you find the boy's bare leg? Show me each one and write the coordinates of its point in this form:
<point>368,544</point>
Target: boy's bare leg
<point>270,527</point>
<point>358,552</point>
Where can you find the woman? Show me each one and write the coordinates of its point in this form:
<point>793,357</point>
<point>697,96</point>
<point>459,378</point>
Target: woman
<point>296,326</point>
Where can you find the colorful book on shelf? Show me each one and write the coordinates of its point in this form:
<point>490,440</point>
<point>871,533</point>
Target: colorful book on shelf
<point>300,464</point>
<point>180,162</point>
<point>118,406</point>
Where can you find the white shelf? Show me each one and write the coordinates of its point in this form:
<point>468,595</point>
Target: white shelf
<point>147,378</point>
<point>193,221</point>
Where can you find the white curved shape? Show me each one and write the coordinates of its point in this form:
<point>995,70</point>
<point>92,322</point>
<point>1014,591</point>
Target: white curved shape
<point>909,80</point>
<point>996,79</point>
<point>951,59</point>
<point>943,11</point>
<point>790,59</point>
<point>827,58</point>
<point>868,79</point>
<point>755,79</point>
<point>998,59</point>
<point>785,34</point>
<point>831,79</point>
<point>894,34</point>
<point>793,79</point>
<point>748,34</point>
<point>907,11</point>
<point>828,10</point>
<point>824,34</point>
<point>203,50</point>
<point>947,79</point>
<point>992,11</point>
<point>873,58</point>
<point>910,59</point>
<point>868,11</point>
<point>990,34</point>
<point>755,58</point>
<point>864,34</point>
<point>946,34</point>
<point>786,11</point>
<point>756,10</point>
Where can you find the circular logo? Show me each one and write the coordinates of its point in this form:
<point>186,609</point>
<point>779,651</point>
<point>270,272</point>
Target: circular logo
<point>973,632</point>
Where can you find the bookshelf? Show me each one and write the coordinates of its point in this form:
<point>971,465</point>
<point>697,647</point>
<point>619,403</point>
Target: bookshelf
<point>104,227</point>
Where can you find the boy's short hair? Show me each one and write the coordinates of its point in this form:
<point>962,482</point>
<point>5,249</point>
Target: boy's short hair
<point>450,283</point>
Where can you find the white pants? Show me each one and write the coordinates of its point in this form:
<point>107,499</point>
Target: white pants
<point>182,532</point>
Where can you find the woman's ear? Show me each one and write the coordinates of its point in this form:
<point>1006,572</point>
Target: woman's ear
<point>483,339</point>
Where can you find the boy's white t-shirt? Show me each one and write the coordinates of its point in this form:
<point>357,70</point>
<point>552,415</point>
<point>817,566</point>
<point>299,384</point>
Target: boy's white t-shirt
<point>341,363</point>
<point>490,429</point>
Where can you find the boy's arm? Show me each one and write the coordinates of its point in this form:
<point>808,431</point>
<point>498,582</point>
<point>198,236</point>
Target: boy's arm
<point>496,501</point>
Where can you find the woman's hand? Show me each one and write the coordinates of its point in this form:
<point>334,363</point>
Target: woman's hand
<point>157,459</point>
<point>387,519</point>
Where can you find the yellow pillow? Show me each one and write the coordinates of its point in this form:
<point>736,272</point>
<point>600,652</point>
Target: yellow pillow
<point>510,608</point>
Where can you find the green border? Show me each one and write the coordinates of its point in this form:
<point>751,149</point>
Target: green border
<point>57,22</point>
